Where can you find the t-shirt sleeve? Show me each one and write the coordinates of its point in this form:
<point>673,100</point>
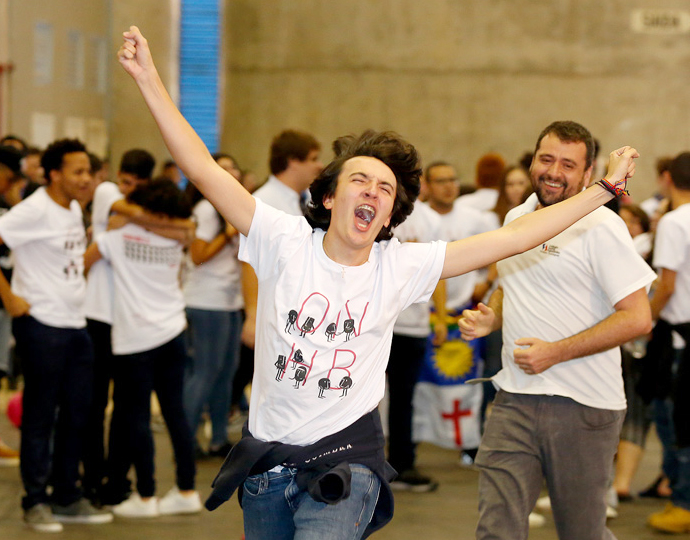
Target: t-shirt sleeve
<point>273,236</point>
<point>22,224</point>
<point>619,269</point>
<point>668,252</point>
<point>105,196</point>
<point>105,244</point>
<point>417,270</point>
<point>207,222</point>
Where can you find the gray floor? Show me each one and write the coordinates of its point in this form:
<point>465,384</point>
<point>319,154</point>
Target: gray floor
<point>450,512</point>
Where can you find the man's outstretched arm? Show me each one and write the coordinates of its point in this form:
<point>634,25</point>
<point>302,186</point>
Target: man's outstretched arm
<point>532,229</point>
<point>186,148</point>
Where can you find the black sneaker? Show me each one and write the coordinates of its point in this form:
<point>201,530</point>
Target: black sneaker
<point>81,511</point>
<point>40,518</point>
<point>411,480</point>
<point>221,451</point>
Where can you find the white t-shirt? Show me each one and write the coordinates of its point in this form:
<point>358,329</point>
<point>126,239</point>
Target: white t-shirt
<point>149,306</point>
<point>483,199</point>
<point>324,331</point>
<point>99,283</point>
<point>422,225</point>
<point>459,223</point>
<point>278,195</point>
<point>564,287</point>
<point>48,243</point>
<point>216,284</point>
<point>651,205</point>
<point>672,251</point>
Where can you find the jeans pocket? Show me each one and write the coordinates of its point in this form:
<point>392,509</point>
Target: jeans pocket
<point>254,485</point>
<point>599,418</point>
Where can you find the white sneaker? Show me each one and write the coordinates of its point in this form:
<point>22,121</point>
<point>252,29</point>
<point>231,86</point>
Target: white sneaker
<point>176,503</point>
<point>536,520</point>
<point>136,507</point>
<point>611,512</point>
<point>612,498</point>
<point>543,503</point>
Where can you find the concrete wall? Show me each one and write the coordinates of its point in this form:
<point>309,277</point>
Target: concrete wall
<point>58,50</point>
<point>131,123</point>
<point>117,107</point>
<point>457,78</point>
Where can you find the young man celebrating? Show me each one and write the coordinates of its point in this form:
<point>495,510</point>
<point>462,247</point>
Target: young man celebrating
<point>329,293</point>
<point>47,237</point>
<point>565,307</point>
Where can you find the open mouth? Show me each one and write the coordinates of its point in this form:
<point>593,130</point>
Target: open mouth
<point>365,212</point>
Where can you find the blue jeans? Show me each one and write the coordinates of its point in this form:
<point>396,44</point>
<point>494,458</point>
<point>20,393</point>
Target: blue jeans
<point>274,507</point>
<point>213,345</point>
<point>58,372</point>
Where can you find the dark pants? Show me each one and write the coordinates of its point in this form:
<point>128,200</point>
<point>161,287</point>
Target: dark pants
<point>136,376</point>
<point>405,360</point>
<point>94,452</point>
<point>58,372</point>
<point>243,376</point>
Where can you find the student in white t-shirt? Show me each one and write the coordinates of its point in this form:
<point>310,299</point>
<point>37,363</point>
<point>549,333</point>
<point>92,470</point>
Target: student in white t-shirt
<point>671,308</point>
<point>149,352</point>
<point>330,291</point>
<point>136,167</point>
<point>46,234</point>
<point>213,297</point>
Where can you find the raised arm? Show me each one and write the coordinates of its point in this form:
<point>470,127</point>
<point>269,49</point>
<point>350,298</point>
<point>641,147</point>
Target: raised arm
<point>535,228</point>
<point>187,149</point>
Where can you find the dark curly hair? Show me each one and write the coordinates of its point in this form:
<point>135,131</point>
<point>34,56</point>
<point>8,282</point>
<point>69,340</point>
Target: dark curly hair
<point>52,158</point>
<point>161,196</point>
<point>390,148</point>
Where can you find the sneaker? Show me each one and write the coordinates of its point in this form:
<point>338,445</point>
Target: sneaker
<point>411,480</point>
<point>136,507</point>
<point>611,512</point>
<point>175,503</point>
<point>40,518</point>
<point>221,452</point>
<point>543,503</point>
<point>536,520</point>
<point>612,498</point>
<point>671,519</point>
<point>9,457</point>
<point>81,511</point>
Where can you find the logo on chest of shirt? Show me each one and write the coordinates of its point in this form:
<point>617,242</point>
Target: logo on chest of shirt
<point>550,249</point>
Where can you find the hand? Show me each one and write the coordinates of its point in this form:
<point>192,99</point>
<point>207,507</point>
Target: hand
<point>17,306</point>
<point>134,54</point>
<point>621,164</point>
<point>117,221</point>
<point>440,334</point>
<point>476,323</point>
<point>537,357</point>
<point>248,336</point>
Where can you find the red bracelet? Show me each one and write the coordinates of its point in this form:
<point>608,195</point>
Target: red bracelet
<point>616,188</point>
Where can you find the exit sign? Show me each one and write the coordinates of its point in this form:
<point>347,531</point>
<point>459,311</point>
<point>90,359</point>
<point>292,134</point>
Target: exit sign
<point>660,21</point>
